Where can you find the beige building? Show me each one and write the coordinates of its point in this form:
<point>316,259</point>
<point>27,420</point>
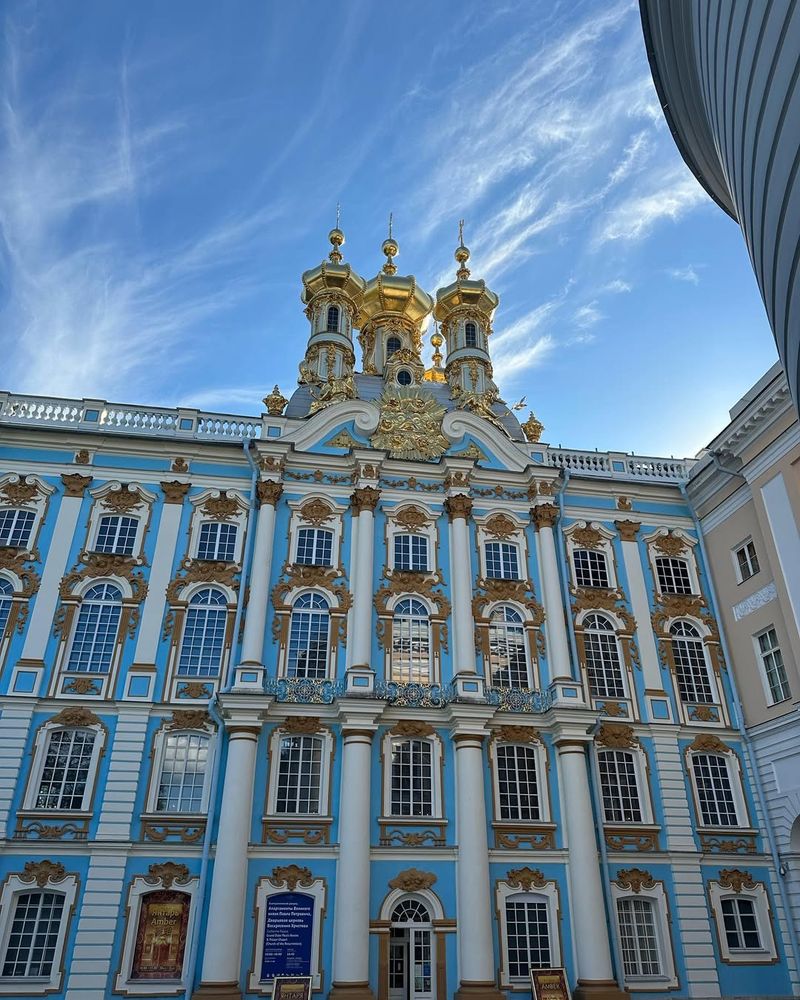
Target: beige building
<point>746,492</point>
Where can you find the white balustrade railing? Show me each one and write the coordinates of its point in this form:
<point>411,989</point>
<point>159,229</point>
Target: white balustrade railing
<point>617,465</point>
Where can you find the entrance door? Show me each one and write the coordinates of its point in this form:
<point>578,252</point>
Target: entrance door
<point>411,953</point>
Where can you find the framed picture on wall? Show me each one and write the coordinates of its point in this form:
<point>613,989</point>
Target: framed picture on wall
<point>291,988</point>
<point>549,984</point>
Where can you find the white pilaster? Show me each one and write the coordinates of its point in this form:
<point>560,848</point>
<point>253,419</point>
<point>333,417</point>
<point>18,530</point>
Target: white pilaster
<point>15,724</point>
<point>44,604</point>
<point>160,574</point>
<point>544,516</point>
<point>364,502</point>
<point>223,944</point>
<point>637,591</point>
<point>476,964</point>
<point>589,927</point>
<point>125,770</point>
<point>261,568</point>
<point>785,537</point>
<point>459,508</point>
<point>90,964</point>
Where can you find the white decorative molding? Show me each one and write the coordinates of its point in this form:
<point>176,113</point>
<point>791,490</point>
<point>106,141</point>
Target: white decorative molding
<point>754,601</point>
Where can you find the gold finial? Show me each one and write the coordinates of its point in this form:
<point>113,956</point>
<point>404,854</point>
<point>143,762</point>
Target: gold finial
<point>532,428</point>
<point>391,249</point>
<point>336,237</point>
<point>462,253</point>
<point>275,402</point>
<point>436,373</point>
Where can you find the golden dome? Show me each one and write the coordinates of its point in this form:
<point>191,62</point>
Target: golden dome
<point>464,291</point>
<point>332,274</point>
<point>389,292</point>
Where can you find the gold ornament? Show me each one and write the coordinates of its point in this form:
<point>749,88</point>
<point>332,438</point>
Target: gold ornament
<point>457,506</point>
<point>19,493</point>
<point>189,718</point>
<point>525,878</point>
<point>516,734</point>
<point>587,538</point>
<point>75,717</point>
<point>736,879</point>
<point>627,530</point>
<point>709,743</point>
<point>624,503</point>
<point>174,492</point>
<point>412,730</point>
<point>410,425</point>
<point>275,402</point>
<point>670,545</point>
<point>221,508</point>
<point>42,872</point>
<point>635,879</point>
<point>315,512</point>
<point>302,725</point>
<point>167,873</point>
<point>74,483</point>
<point>544,515</point>
<point>179,465</point>
<point>292,876</point>
<point>123,500</point>
<point>532,429</point>
<point>411,519</point>
<point>82,457</point>
<point>269,492</point>
<point>616,736</point>
<point>412,880</point>
<point>365,498</point>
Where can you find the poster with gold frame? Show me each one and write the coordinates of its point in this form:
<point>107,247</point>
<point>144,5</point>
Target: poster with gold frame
<point>549,984</point>
<point>161,935</point>
<point>291,988</point>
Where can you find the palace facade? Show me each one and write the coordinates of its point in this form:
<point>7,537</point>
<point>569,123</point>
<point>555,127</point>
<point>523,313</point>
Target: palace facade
<point>376,687</point>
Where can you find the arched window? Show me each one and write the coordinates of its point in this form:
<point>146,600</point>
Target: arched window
<point>183,773</point>
<point>15,527</point>
<point>411,642</point>
<point>299,775</point>
<point>502,561</point>
<point>116,534</point>
<point>591,568</point>
<point>217,541</point>
<point>691,671</point>
<point>470,335</point>
<point>411,952</point>
<point>314,547</point>
<point>204,634</point>
<point>603,664</point>
<point>508,655</point>
<point>517,783</point>
<point>410,911</point>
<point>308,637</point>
<point>715,794</point>
<point>638,937</point>
<point>412,778</point>
<point>673,575</point>
<point>96,630</point>
<point>333,319</point>
<point>393,345</point>
<point>6,594</point>
<point>66,768</point>
<point>33,939</point>
<point>619,786</point>
<point>411,553</point>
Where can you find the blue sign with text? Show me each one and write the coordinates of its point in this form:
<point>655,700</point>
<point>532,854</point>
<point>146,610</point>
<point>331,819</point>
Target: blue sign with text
<point>287,935</point>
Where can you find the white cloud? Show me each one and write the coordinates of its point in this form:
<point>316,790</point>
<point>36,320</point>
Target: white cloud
<point>617,286</point>
<point>587,315</point>
<point>518,361</point>
<point>688,274</point>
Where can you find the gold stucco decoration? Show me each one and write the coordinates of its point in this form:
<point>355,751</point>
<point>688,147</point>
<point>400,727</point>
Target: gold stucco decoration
<point>189,718</point>
<point>175,491</point>
<point>202,571</point>
<point>635,879</point>
<point>315,512</point>
<point>179,464</point>
<point>275,402</point>
<point>501,526</point>
<point>82,457</point>
<point>74,483</point>
<point>532,428</point>
<point>410,425</point>
<point>221,508</point>
<point>291,876</point>
<point>42,872</point>
<point>624,503</point>
<point>627,530</point>
<point>411,519</point>
<point>412,880</point>
<point>525,878</point>
<point>544,515</point>
<point>457,506</point>
<point>19,493</point>
<point>516,734</point>
<point>709,743</point>
<point>736,879</point>
<point>587,538</point>
<point>269,492</point>
<point>75,717</point>
<point>344,439</point>
<point>616,736</point>
<point>365,498</point>
<point>670,545</point>
<point>411,729</point>
<point>302,725</point>
<point>123,500</point>
<point>167,873</point>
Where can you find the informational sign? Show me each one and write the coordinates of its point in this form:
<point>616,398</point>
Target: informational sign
<point>161,935</point>
<point>549,984</point>
<point>291,988</point>
<point>288,930</point>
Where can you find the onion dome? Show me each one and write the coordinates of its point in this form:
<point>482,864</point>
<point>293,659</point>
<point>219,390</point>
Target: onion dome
<point>332,275</point>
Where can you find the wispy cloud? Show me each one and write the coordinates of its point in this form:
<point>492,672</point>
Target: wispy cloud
<point>587,315</point>
<point>617,286</point>
<point>688,274</point>
<point>533,354</point>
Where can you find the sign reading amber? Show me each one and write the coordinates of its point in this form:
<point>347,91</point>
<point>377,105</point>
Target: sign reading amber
<point>549,984</point>
<point>291,988</point>
<point>161,935</point>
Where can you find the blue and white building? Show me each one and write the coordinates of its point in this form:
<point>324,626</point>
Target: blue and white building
<point>376,687</point>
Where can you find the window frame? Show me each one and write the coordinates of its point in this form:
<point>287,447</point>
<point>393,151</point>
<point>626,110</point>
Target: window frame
<point>756,891</point>
<point>523,623</point>
<point>317,532</point>
<point>641,777</point>
<point>700,639</point>
<point>17,514</point>
<point>749,561</point>
<point>139,507</point>
<point>764,671</point>
<point>82,605</point>
<point>502,546</point>
<point>546,891</point>
<point>734,772</point>
<point>225,609</point>
<point>208,523</point>
<point>113,515</point>
<point>292,730</point>
<point>329,657</point>
<point>411,536</point>
<point>656,895</point>
<point>38,504</point>
<point>159,752</point>
<point>540,759</point>
<point>621,659</point>
<point>392,739</point>
<point>394,668</point>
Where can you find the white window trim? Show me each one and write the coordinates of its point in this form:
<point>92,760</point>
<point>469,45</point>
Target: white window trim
<point>528,634</point>
<point>388,742</point>
<point>540,760</point>
<point>668,980</point>
<point>149,987</point>
<point>199,517</point>
<point>548,892</point>
<point>642,785</point>
<point>427,530</point>
<point>434,664</point>
<point>159,749</point>
<point>735,780</point>
<point>37,504</point>
<point>605,545</point>
<point>762,670</point>
<point>688,556</point>
<point>283,651</point>
<point>41,743</point>
<point>618,626</point>
<point>101,508</point>
<point>734,559</point>
<point>265,888</point>
<point>703,633</point>
<point>13,887</point>
<point>325,771</point>
<point>517,538</point>
<point>333,524</point>
<point>768,953</point>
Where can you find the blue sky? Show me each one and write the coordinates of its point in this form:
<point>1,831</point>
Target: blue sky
<point>170,169</point>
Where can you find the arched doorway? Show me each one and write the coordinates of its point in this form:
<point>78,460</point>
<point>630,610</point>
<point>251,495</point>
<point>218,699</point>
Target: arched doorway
<point>411,947</point>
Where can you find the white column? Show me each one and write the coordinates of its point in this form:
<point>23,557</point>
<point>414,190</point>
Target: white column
<point>44,604</point>
<point>589,929</point>
<point>348,662</point>
<point>160,573</point>
<point>223,944</point>
<point>637,591</point>
<point>476,963</point>
<point>261,567</point>
<point>364,502</point>
<point>351,900</point>
<point>544,517</point>
<point>458,508</point>
<point>785,537</point>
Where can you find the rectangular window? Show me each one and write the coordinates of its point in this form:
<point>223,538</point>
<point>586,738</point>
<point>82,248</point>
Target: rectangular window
<point>527,936</point>
<point>741,925</point>
<point>772,664</point>
<point>714,792</point>
<point>516,780</point>
<point>183,773</point>
<point>299,775</point>
<point>591,568</point>
<point>411,553</point>
<point>33,938</point>
<point>412,778</point>
<point>65,773</point>
<point>502,561</point>
<point>747,560</point>
<point>673,575</point>
<point>217,541</point>
<point>117,535</point>
<point>637,931</point>
<point>15,527</point>
<point>619,788</point>
<point>314,547</point>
